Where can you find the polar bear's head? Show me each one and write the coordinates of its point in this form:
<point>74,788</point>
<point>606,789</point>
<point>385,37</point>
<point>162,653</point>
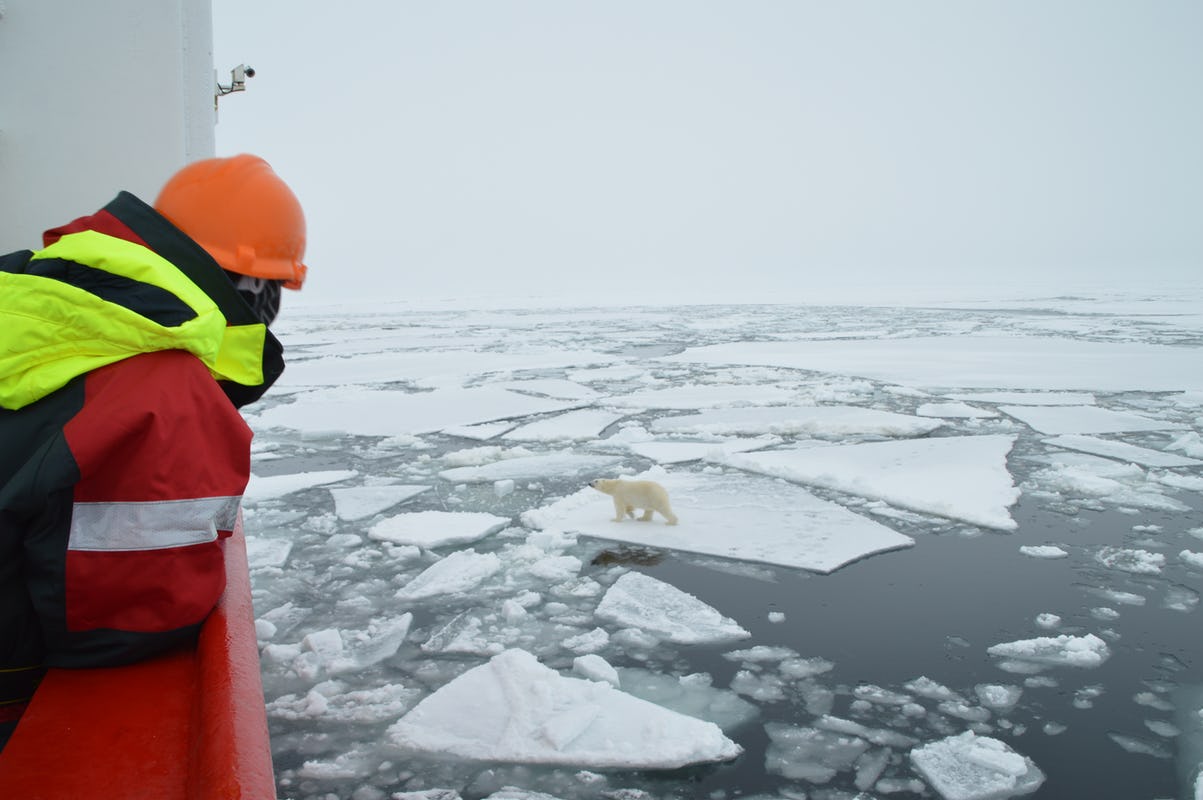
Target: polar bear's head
<point>607,485</point>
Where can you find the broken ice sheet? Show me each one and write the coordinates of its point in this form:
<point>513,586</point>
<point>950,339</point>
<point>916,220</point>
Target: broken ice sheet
<point>661,609</point>
<point>551,465</point>
<point>733,515</point>
<point>437,528</point>
<point>585,423</point>
<point>972,767</point>
<point>457,572</point>
<point>674,452</point>
<point>813,420</point>
<point>1083,419</point>
<point>1055,651</point>
<point>359,502</point>
<point>957,477</point>
<point>514,709</point>
<point>1121,450</point>
<point>269,488</point>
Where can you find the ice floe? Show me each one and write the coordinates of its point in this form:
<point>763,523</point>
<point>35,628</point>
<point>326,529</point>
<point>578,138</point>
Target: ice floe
<point>1084,419</point>
<point>732,515</point>
<point>359,502</point>
<point>271,487</point>
<point>977,362</point>
<point>679,452</point>
<point>515,709</point>
<point>661,609</point>
<point>957,477</point>
<point>558,465</point>
<point>794,420</point>
<point>570,426</point>
<point>972,767</point>
<point>1055,651</point>
<point>459,571</point>
<point>437,528</point>
<point>1122,450</point>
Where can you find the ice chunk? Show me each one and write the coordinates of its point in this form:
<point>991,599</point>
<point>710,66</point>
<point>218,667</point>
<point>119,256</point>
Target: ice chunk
<point>972,767</point>
<point>958,477</point>
<point>1028,398</point>
<point>574,425</point>
<point>813,420</point>
<point>262,553</point>
<point>359,502</point>
<point>514,709</point>
<point>954,411</point>
<point>681,452</point>
<point>1061,651</point>
<point>437,528</point>
<point>689,694</point>
<point>555,465</point>
<point>1043,551</point>
<point>1121,450</point>
<point>1138,562</point>
<point>457,572</point>
<point>269,488</point>
<point>736,516</point>
<point>810,754</point>
<point>595,668</point>
<point>639,601</point>
<point>1084,419</point>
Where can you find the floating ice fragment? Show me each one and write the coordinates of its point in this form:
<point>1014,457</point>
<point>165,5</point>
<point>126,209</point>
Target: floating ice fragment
<point>794,420</point>
<point>595,668</point>
<point>1064,650</point>
<point>957,477</point>
<point>1043,551</point>
<point>587,423</point>
<point>557,465</point>
<point>437,528</point>
<point>954,411</point>
<point>514,709</point>
<point>1139,562</point>
<point>972,767</point>
<point>358,502</point>
<point>1122,451</point>
<point>640,601</point>
<point>810,754</point>
<point>269,488</point>
<point>1084,419</point>
<point>457,572</point>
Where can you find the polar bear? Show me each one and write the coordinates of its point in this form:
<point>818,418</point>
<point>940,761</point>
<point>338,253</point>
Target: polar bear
<point>629,495</point>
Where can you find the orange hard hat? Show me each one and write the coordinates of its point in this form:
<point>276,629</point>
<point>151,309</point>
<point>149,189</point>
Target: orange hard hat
<point>242,213</point>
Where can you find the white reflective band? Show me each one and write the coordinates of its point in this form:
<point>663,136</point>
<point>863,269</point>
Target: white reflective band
<point>151,526</point>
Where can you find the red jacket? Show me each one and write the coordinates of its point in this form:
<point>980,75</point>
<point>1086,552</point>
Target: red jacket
<point>117,489</point>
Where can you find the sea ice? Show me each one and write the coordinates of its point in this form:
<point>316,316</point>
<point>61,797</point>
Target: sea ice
<point>732,515</point>
<point>957,477</point>
<point>680,452</point>
<point>527,467</point>
<point>692,396</point>
<point>661,609</point>
<point>1137,562</point>
<point>437,528</point>
<point>514,709</point>
<point>387,412</point>
<point>1028,398</point>
<point>794,420</point>
<point>577,425</point>
<point>459,571</point>
<point>954,411</point>
<point>810,754</point>
<point>1043,551</point>
<point>1061,651</point>
<point>1121,450</point>
<point>353,503</point>
<point>972,767</point>
<point>976,362</point>
<point>269,488</point>
<point>1083,419</point>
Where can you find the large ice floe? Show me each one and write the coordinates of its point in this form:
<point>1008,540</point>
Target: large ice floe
<point>814,420</point>
<point>733,515</point>
<point>640,601</point>
<point>515,709</point>
<point>958,477</point>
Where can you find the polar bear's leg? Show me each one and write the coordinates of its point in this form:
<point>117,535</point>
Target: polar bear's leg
<point>647,515</point>
<point>619,510</point>
<point>668,514</point>
<point>631,511</point>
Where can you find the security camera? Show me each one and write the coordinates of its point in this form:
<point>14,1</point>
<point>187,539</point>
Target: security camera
<point>249,72</point>
<point>241,72</point>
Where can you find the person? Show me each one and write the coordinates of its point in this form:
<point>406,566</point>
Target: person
<point>127,346</point>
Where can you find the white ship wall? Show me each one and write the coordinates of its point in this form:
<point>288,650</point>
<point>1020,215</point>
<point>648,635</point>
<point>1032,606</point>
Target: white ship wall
<point>96,97</point>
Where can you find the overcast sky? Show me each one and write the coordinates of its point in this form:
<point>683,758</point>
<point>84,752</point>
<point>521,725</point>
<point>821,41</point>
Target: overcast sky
<point>764,150</point>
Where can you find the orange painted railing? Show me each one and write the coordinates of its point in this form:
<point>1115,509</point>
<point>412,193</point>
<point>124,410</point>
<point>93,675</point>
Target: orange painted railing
<point>189,725</point>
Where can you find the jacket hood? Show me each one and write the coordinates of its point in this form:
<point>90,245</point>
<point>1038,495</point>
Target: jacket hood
<point>117,283</point>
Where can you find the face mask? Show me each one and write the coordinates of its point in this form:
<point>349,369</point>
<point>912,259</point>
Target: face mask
<point>261,294</point>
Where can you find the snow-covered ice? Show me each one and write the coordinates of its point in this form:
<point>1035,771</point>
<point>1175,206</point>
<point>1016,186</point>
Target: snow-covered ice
<point>359,502</point>
<point>437,528</point>
<point>958,477</point>
<point>1084,419</point>
<point>972,767</point>
<point>1122,450</point>
<point>514,709</point>
<point>813,420</point>
<point>732,515</point>
<point>1056,651</point>
<point>653,606</point>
